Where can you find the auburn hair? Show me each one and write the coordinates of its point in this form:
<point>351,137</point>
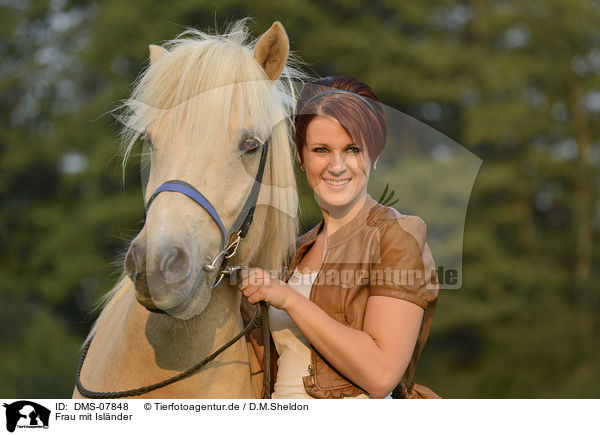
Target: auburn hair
<point>362,118</point>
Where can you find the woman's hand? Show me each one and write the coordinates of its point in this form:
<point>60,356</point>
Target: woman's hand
<point>257,285</point>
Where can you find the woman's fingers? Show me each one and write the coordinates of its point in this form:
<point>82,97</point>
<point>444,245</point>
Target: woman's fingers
<point>252,277</point>
<point>254,284</point>
<point>256,297</point>
<point>250,290</point>
<point>244,276</point>
<point>254,293</point>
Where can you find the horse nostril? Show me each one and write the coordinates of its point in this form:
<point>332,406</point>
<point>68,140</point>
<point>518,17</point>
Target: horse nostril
<point>175,266</point>
<point>134,262</point>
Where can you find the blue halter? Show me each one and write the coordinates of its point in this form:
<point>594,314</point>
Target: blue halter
<point>193,193</point>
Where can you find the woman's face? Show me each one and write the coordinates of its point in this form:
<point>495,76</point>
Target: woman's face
<point>337,169</point>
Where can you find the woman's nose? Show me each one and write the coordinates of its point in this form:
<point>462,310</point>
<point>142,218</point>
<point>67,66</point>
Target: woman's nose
<point>337,163</point>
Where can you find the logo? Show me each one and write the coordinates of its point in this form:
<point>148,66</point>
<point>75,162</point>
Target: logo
<point>26,414</point>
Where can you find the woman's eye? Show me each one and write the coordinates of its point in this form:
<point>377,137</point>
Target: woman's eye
<point>354,149</point>
<point>320,150</point>
<point>249,145</point>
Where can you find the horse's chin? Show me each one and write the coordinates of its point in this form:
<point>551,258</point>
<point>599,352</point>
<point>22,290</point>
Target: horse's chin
<point>193,306</point>
<point>187,301</point>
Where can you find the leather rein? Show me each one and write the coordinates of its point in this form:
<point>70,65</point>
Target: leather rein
<point>229,248</point>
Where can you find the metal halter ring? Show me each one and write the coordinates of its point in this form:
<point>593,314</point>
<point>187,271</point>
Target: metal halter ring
<point>234,244</point>
<point>228,270</point>
<point>212,266</point>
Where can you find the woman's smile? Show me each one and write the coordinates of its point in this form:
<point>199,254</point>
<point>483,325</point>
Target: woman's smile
<point>337,184</point>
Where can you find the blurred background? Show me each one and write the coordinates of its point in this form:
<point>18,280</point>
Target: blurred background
<point>515,82</point>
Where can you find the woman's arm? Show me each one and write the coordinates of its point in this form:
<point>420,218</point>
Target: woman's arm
<point>374,358</point>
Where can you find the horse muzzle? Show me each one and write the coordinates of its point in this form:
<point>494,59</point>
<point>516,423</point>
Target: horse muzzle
<point>165,280</point>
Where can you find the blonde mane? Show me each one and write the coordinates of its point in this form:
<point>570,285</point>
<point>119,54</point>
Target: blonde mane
<point>220,72</point>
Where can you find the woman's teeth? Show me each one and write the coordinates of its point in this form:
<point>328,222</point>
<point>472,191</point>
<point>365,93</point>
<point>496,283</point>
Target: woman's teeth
<point>337,182</point>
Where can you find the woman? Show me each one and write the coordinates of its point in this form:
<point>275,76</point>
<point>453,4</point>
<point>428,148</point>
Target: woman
<point>354,312</point>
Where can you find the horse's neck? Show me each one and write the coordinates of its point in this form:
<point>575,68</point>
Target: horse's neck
<point>134,348</point>
<point>180,344</point>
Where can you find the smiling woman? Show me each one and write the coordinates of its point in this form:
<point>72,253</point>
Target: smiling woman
<point>354,310</point>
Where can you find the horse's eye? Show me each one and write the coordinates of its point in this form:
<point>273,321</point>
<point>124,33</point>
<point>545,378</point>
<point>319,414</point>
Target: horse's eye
<point>249,144</point>
<point>148,141</point>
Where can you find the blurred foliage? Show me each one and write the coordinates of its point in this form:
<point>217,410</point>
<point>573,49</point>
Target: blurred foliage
<point>517,83</point>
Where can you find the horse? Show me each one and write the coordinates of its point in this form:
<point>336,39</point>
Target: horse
<point>210,105</point>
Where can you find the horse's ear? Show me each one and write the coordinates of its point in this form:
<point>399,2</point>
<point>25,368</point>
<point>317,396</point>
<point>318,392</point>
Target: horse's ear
<point>157,52</point>
<point>271,50</point>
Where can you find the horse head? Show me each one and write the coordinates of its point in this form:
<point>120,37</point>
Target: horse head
<point>208,106</point>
